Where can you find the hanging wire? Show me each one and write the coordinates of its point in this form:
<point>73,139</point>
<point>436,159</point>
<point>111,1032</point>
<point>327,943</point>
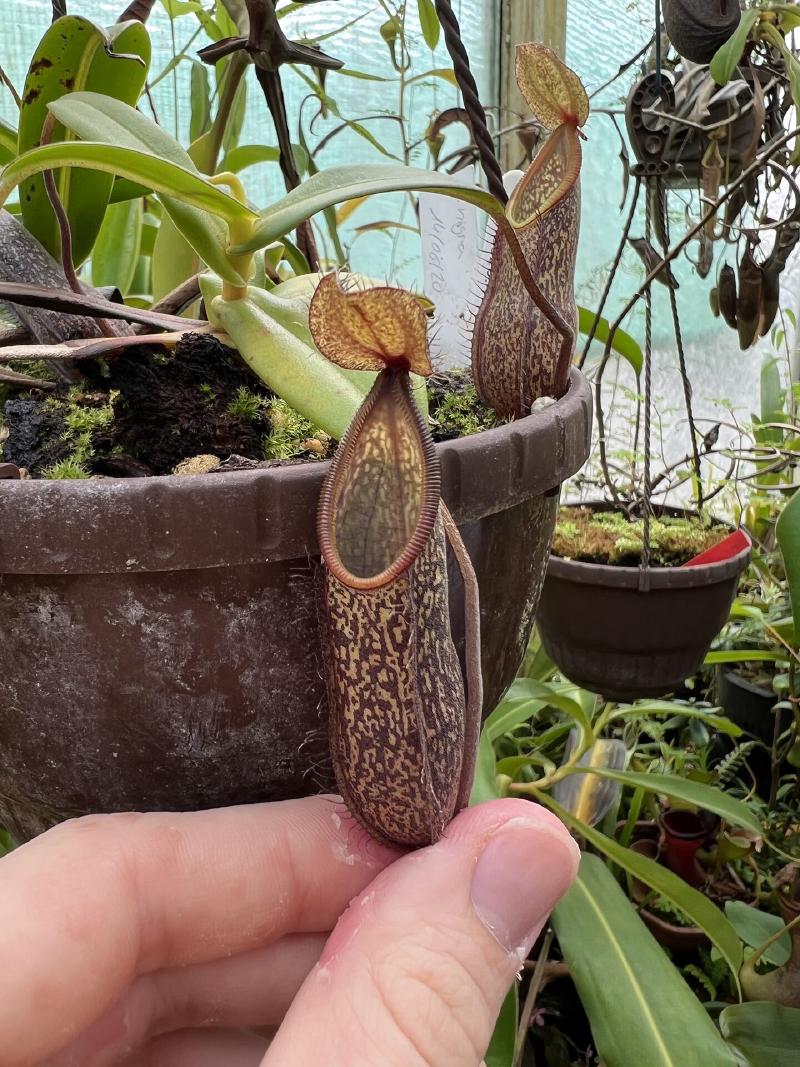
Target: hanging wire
<point>612,272</point>
<point>644,573</point>
<point>687,385</point>
<point>658,46</point>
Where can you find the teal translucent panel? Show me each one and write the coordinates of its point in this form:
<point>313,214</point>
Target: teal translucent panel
<point>376,102</point>
<point>601,37</point>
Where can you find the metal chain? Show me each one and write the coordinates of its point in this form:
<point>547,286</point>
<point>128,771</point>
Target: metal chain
<point>472,103</point>
<point>644,577</point>
<point>687,385</point>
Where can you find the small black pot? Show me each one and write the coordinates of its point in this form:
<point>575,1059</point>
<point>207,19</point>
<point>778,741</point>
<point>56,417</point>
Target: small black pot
<point>697,28</point>
<point>747,704</point>
<point>609,636</point>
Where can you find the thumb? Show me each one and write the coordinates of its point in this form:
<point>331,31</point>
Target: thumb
<point>418,966</point>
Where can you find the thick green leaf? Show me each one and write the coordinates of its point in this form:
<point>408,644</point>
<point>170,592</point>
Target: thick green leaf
<point>688,711</point>
<point>200,97</point>
<point>233,126</point>
<point>641,1011</point>
<point>766,1034</point>
<point>511,713</point>
<point>114,123</point>
<point>248,155</point>
<point>74,55</point>
<point>174,260</point>
<point>744,655</point>
<point>163,177</point>
<point>501,1048</point>
<point>623,344</point>
<point>116,249</point>
<point>756,927</point>
<point>696,906</point>
<point>787,530</point>
<point>728,56</point>
<point>553,695</point>
<point>788,16</point>
<point>195,204</point>
<point>9,138</point>
<point>696,793</point>
<point>429,22</point>
<point>176,8</point>
<point>338,184</point>
<point>484,784</point>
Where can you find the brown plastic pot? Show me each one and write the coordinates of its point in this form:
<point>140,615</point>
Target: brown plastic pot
<point>682,940</point>
<point>159,641</point>
<point>611,637</point>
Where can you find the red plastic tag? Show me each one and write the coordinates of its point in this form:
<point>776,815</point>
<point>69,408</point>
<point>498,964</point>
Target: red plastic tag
<point>731,546</point>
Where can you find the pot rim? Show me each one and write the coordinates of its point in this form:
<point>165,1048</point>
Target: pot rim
<point>240,518</point>
<point>605,574</point>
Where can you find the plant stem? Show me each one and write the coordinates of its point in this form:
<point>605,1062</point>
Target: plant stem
<point>530,999</point>
<point>237,66</point>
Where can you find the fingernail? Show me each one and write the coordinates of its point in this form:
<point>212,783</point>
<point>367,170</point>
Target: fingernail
<point>523,871</point>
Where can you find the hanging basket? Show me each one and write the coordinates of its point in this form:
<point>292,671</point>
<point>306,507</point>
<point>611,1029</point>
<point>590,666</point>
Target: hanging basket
<point>611,636</point>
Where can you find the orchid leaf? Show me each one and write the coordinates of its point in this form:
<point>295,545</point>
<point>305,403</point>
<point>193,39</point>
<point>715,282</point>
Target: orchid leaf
<point>73,55</point>
<point>623,344</point>
<point>113,123</point>
<point>691,902</point>
<point>339,184</point>
<point>787,531</point>
<point>697,794</point>
<point>641,1011</point>
<point>727,58</point>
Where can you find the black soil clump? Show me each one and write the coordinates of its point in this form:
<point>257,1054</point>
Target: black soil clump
<point>35,434</point>
<point>173,407</point>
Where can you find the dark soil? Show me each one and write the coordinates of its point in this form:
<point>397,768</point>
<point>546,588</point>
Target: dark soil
<point>168,408</point>
<point>171,408</point>
<point>35,438</point>
<point>610,537</point>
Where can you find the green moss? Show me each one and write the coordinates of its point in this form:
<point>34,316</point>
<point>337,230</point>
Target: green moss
<point>611,537</point>
<point>459,412</point>
<point>84,414</point>
<point>247,406</point>
<point>65,469</point>
<point>291,434</point>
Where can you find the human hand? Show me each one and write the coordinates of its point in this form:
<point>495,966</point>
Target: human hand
<point>165,940</point>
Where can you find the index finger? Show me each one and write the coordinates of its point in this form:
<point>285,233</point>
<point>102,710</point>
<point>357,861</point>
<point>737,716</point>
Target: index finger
<point>91,904</point>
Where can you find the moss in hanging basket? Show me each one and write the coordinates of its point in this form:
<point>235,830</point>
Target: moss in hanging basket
<point>611,537</point>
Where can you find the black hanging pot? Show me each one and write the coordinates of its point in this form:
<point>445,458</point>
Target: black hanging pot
<point>611,635</point>
<point>697,28</point>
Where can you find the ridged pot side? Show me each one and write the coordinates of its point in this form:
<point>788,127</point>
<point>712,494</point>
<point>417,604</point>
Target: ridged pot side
<point>160,646</point>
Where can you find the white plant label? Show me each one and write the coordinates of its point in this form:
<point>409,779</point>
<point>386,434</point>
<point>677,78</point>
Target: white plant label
<point>449,231</point>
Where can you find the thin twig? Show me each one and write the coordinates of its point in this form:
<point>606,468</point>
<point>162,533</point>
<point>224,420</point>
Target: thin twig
<point>530,999</point>
<point>94,347</point>
<point>69,303</point>
<point>23,380</point>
